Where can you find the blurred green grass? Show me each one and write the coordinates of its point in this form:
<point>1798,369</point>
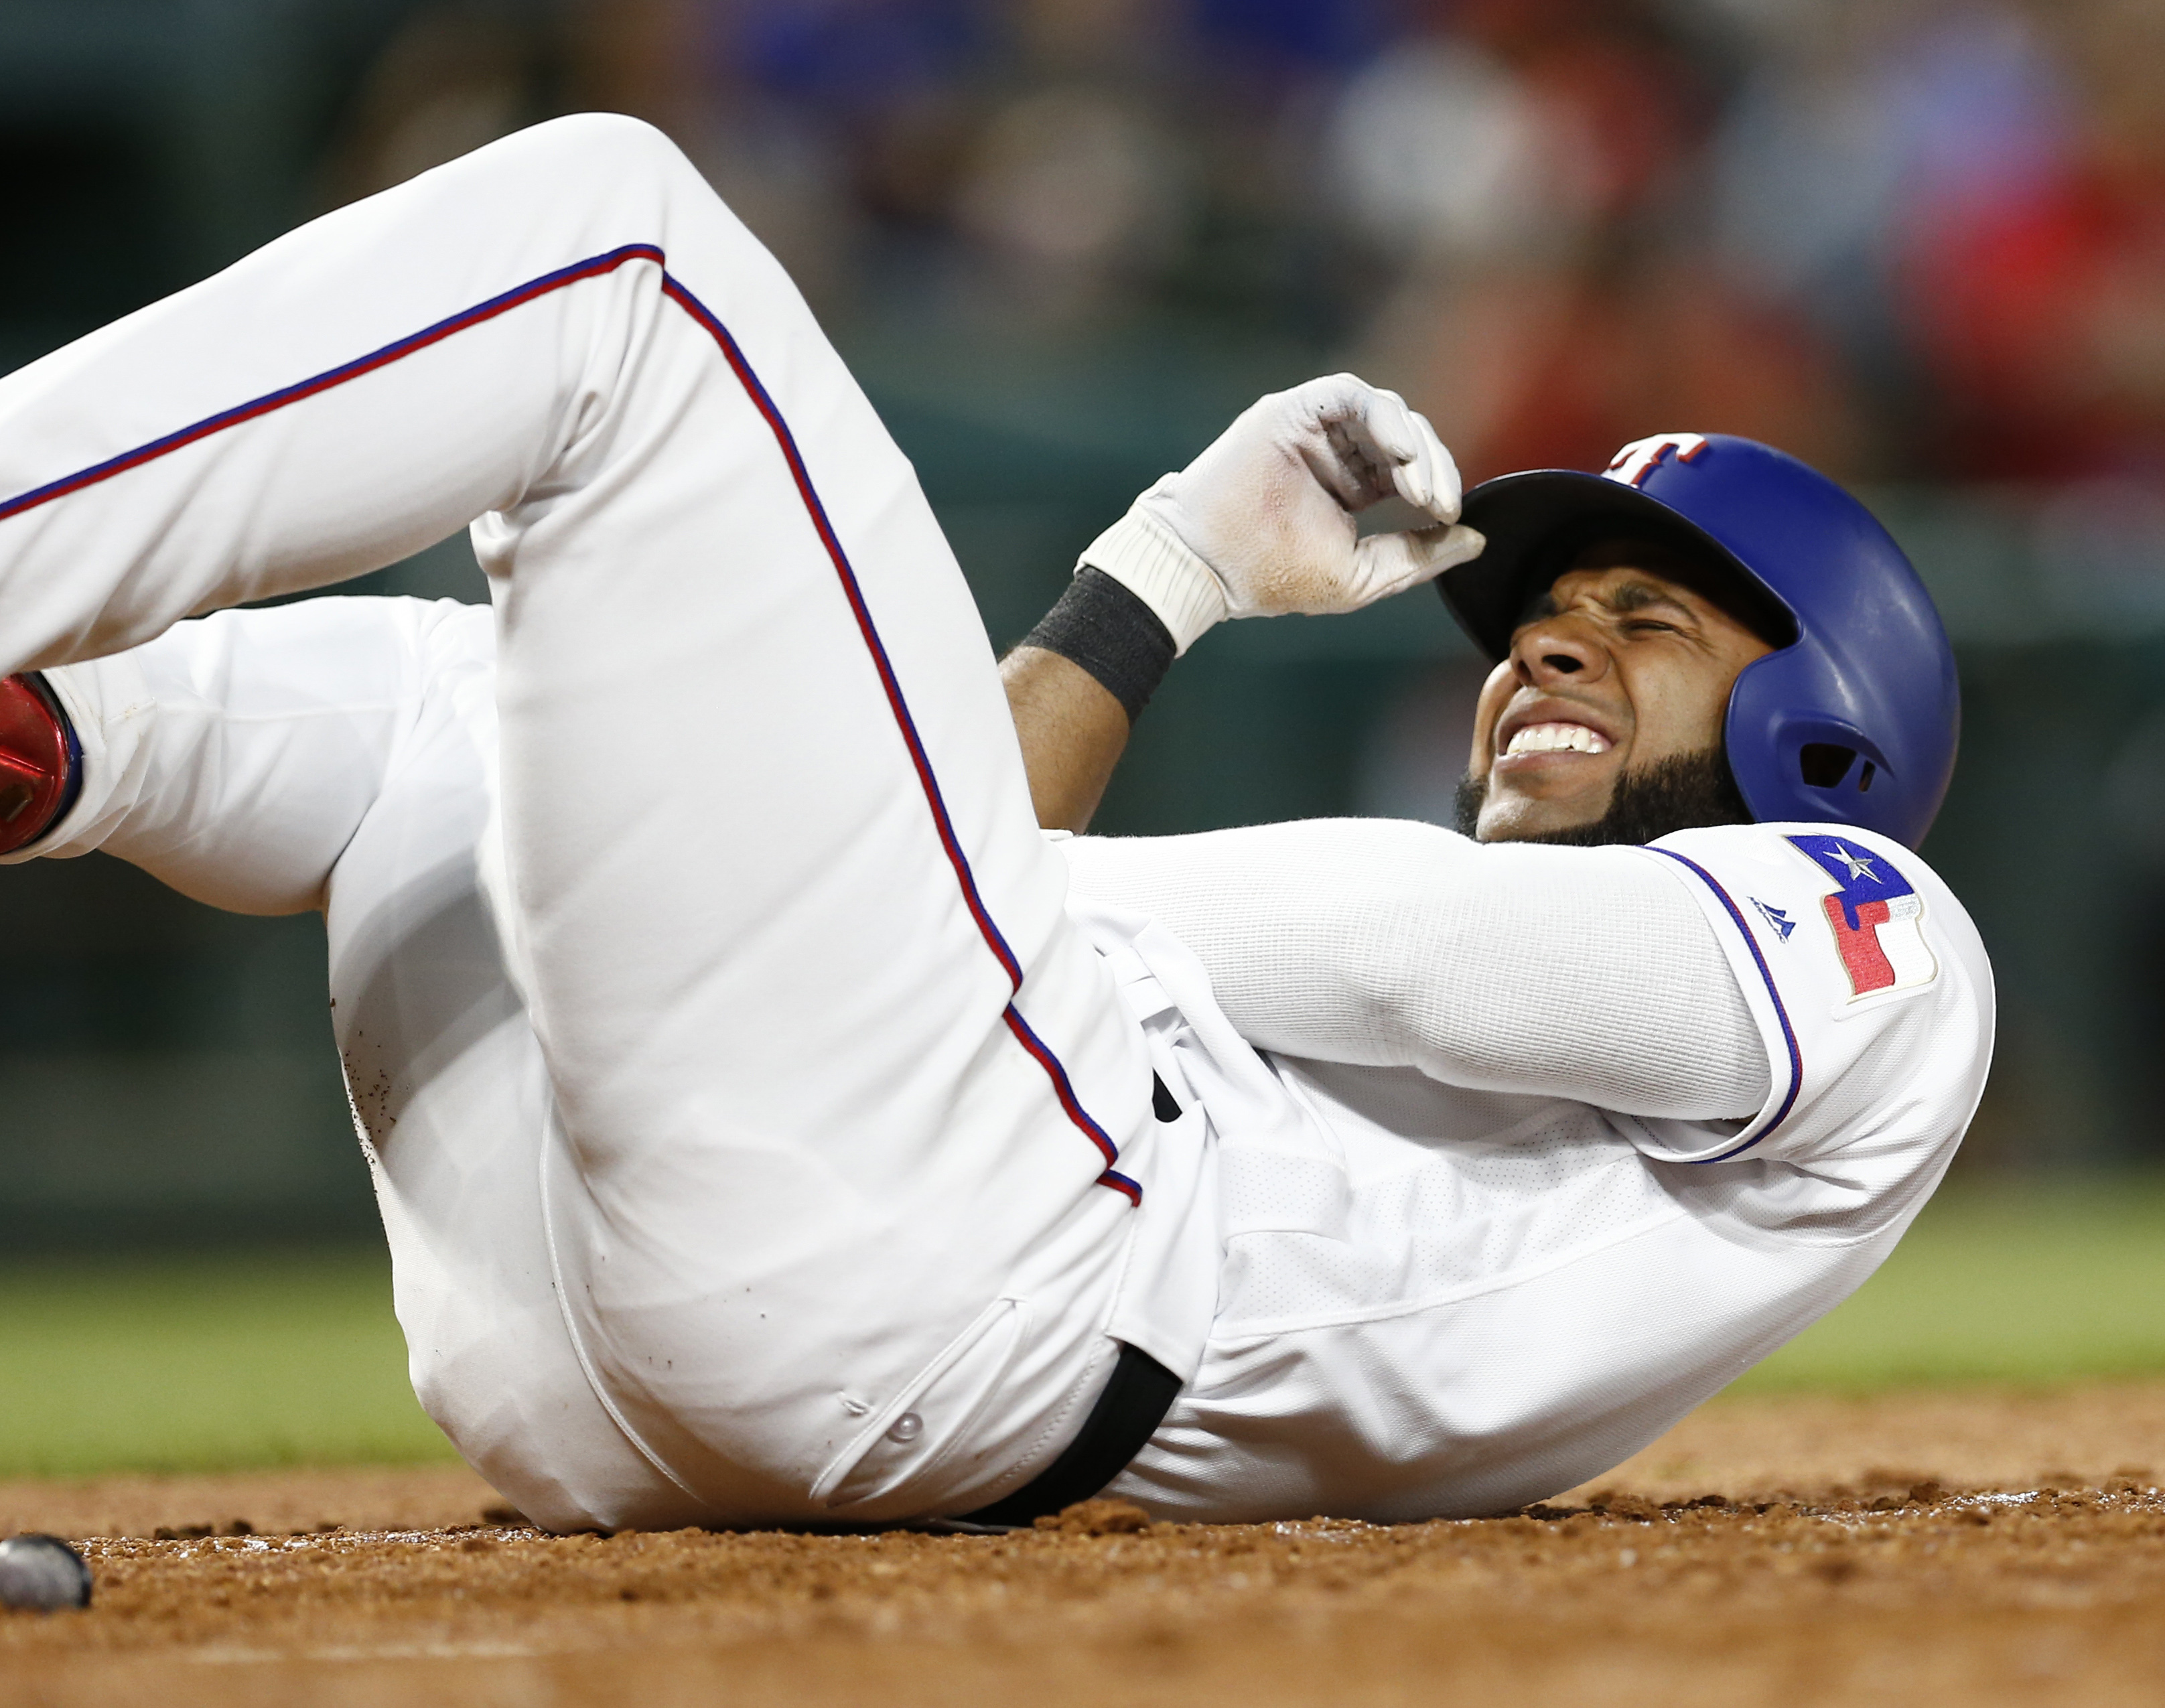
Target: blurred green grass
<point>2027,1281</point>
<point>226,1363</point>
<point>205,1363</point>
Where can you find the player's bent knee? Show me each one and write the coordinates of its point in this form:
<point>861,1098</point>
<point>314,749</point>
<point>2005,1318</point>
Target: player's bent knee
<point>613,142</point>
<point>608,177</point>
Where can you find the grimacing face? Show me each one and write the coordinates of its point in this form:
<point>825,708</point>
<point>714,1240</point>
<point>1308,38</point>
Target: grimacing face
<point>1626,662</point>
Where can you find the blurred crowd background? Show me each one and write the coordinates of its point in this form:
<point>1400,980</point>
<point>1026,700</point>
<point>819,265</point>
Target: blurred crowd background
<point>1920,243</point>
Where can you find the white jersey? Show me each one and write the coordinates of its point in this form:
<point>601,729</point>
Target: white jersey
<point>1442,1298</point>
<point>1393,1295</point>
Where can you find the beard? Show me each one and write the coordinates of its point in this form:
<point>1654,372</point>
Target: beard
<point>1686,793</point>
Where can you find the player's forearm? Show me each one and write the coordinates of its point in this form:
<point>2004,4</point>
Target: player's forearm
<point>1556,972</point>
<point>1075,686</point>
<point>1072,730</point>
<point>1260,525</point>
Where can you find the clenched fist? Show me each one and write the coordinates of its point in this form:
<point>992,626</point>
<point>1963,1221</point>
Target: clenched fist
<point>1261,524</point>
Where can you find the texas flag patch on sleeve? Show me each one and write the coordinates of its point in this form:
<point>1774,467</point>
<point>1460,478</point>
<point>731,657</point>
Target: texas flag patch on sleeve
<point>1877,916</point>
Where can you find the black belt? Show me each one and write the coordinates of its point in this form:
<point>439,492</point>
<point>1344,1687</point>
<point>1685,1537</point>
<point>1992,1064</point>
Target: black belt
<point>1127,1413</point>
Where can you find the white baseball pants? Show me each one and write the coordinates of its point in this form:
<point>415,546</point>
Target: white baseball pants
<point>836,1202</point>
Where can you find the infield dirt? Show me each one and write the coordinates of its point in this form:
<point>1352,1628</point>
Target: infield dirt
<point>1933,1549</point>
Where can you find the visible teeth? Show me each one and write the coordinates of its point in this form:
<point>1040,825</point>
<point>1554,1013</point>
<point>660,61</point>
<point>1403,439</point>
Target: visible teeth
<point>1556,738</point>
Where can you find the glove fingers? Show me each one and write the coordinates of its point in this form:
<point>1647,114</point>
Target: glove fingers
<point>1347,463</point>
<point>1396,443</point>
<point>1437,490</point>
<point>1449,547</point>
<point>1405,448</point>
<point>1351,455</point>
<point>1385,564</point>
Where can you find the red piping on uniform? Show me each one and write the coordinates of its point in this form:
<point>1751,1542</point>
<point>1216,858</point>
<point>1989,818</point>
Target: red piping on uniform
<point>591,267</point>
<point>949,841</point>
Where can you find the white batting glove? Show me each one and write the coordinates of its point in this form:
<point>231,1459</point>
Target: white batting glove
<point>1261,524</point>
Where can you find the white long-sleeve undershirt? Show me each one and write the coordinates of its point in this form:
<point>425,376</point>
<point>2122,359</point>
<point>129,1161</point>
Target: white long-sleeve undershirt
<point>1589,973</point>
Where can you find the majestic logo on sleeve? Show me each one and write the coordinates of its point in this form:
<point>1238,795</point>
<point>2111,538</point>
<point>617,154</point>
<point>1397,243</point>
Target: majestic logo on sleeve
<point>1878,916</point>
<point>1778,921</point>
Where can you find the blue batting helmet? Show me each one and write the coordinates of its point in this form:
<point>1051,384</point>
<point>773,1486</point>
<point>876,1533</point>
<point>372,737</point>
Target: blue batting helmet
<point>1853,719</point>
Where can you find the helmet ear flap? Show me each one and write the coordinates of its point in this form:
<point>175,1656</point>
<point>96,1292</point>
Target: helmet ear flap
<point>1811,766</point>
<point>1834,759</point>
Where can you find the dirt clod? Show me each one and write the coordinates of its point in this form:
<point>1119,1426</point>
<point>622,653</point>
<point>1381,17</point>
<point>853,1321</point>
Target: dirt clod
<point>1098,1518</point>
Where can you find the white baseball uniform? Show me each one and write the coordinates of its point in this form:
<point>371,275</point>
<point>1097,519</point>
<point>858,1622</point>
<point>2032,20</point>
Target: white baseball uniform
<point>1519,1177</point>
<point>761,1119</point>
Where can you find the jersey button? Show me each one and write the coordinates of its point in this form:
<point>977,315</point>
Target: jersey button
<point>906,1428</point>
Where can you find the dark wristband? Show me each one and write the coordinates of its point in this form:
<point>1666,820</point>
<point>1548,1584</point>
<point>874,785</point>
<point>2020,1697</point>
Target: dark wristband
<point>1106,629</point>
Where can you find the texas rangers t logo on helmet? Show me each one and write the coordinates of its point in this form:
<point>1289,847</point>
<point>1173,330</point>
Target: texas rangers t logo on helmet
<point>1642,456</point>
<point>1877,914</point>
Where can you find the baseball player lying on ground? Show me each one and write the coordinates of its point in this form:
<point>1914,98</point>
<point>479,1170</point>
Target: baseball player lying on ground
<point>770,1122</point>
